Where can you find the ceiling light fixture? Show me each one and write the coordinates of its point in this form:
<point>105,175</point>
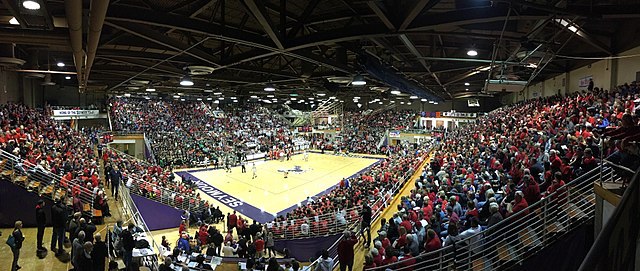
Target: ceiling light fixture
<point>467,84</point>
<point>413,97</point>
<point>254,97</point>
<point>217,93</point>
<point>60,64</point>
<point>358,80</point>
<point>176,96</point>
<point>270,96</point>
<point>209,99</point>
<point>269,87</point>
<point>321,94</point>
<point>31,5</point>
<point>472,52</point>
<point>395,92</point>
<point>424,100</point>
<point>14,21</point>
<point>186,81</point>
<point>67,77</point>
<point>150,88</point>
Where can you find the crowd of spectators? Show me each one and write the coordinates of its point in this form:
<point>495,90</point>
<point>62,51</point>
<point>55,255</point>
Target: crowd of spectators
<point>503,163</point>
<point>189,134</point>
<point>362,132</point>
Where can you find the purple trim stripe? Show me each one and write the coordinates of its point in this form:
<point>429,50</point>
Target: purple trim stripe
<point>226,199</point>
<point>248,209</point>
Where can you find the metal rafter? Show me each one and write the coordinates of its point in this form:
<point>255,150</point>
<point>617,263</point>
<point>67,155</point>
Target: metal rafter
<point>373,5</point>
<point>415,11</point>
<point>416,53</point>
<point>158,38</point>
<point>259,13</point>
<point>15,11</point>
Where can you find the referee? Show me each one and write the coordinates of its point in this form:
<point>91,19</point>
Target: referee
<point>365,223</point>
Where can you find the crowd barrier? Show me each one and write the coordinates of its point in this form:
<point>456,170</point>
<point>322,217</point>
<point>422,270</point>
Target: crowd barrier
<point>511,241</point>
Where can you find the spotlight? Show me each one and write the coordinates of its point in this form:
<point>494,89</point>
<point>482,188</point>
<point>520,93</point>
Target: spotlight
<point>186,81</point>
<point>424,100</point>
<point>472,52</point>
<point>269,87</point>
<point>358,80</point>
<point>31,5</point>
<point>395,92</point>
<point>60,64</point>
<point>14,21</point>
<point>413,97</point>
<point>150,88</point>
<point>67,77</point>
<point>466,84</point>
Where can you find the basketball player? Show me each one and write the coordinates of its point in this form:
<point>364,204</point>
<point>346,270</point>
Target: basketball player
<point>306,156</point>
<point>227,165</point>
<point>255,171</point>
<point>244,168</point>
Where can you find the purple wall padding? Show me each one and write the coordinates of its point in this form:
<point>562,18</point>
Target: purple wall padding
<point>157,215</point>
<point>305,249</point>
<point>16,203</point>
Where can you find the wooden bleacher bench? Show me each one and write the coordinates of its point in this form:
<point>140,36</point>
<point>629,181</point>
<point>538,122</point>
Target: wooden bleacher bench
<point>20,179</point>
<point>86,207</point>
<point>480,264</point>
<point>7,172</point>
<point>528,238</point>
<point>48,190</point>
<point>574,212</point>
<point>503,252</point>
<point>555,228</point>
<point>97,217</point>
<point>34,184</point>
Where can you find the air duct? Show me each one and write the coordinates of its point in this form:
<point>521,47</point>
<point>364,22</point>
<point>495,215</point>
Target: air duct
<point>73,10</point>
<point>97,14</point>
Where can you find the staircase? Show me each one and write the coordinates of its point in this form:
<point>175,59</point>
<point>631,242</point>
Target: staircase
<point>46,184</point>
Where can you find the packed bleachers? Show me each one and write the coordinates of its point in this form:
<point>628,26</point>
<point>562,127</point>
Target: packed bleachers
<point>188,134</point>
<point>502,164</point>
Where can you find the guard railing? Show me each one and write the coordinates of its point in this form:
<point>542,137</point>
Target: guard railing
<point>509,242</point>
<point>36,179</point>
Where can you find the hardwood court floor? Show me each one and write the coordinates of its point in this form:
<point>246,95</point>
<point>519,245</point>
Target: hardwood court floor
<point>270,193</point>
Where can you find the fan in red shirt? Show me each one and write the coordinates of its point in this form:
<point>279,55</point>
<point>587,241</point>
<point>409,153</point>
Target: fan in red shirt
<point>407,263</point>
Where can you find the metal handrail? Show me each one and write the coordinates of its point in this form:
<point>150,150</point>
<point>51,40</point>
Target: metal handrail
<point>131,210</point>
<point>601,247</point>
<point>583,184</point>
<point>47,183</point>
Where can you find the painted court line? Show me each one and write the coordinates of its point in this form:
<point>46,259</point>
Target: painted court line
<point>248,209</point>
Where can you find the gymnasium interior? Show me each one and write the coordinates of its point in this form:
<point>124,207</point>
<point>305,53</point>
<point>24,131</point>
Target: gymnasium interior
<point>374,135</point>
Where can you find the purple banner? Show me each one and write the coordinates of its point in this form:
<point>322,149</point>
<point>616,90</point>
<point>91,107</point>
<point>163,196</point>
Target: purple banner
<point>306,249</point>
<point>16,203</point>
<point>157,215</point>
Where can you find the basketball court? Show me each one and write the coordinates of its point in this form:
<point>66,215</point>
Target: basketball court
<point>271,194</point>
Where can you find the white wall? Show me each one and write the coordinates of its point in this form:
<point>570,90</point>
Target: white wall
<point>600,71</point>
<point>628,67</point>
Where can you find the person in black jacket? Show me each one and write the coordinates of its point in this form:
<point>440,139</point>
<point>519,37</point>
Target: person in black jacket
<point>217,241</point>
<point>116,178</point>
<point>19,238</point>
<point>58,220</point>
<point>128,244</point>
<point>99,253</point>
<point>41,222</point>
<point>85,262</point>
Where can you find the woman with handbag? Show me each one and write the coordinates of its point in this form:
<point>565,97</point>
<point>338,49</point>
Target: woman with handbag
<point>15,242</point>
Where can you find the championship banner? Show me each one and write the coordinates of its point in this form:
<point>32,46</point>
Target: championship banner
<point>75,113</point>
<point>394,134</point>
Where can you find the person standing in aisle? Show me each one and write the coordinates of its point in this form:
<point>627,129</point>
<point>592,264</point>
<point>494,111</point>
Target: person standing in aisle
<point>41,222</point>
<point>58,221</point>
<point>18,238</point>
<point>116,179</point>
<point>365,223</point>
<point>345,251</point>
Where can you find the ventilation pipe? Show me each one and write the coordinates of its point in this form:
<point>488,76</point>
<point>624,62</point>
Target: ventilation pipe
<point>73,10</point>
<point>97,14</point>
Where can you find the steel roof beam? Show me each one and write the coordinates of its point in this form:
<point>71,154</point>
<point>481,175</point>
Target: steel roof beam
<point>259,12</point>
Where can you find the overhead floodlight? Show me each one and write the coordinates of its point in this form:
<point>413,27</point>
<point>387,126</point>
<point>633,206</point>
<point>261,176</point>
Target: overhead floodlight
<point>186,81</point>
<point>60,64</point>
<point>14,21</point>
<point>379,102</point>
<point>395,92</point>
<point>424,100</point>
<point>221,98</point>
<point>217,93</point>
<point>466,89</point>
<point>435,102</point>
<point>176,96</point>
<point>321,94</point>
<point>235,101</point>
<point>467,84</point>
<point>431,102</point>
<point>293,98</point>
<point>401,102</point>
<point>269,87</point>
<point>270,96</point>
<point>408,103</point>
<point>150,88</point>
<point>358,80</point>
<point>127,94</point>
<point>147,98</point>
<point>199,99</point>
<point>67,77</point>
<point>209,99</point>
<point>31,5</point>
<point>413,97</point>
<point>182,99</point>
<point>254,97</point>
<point>472,52</point>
